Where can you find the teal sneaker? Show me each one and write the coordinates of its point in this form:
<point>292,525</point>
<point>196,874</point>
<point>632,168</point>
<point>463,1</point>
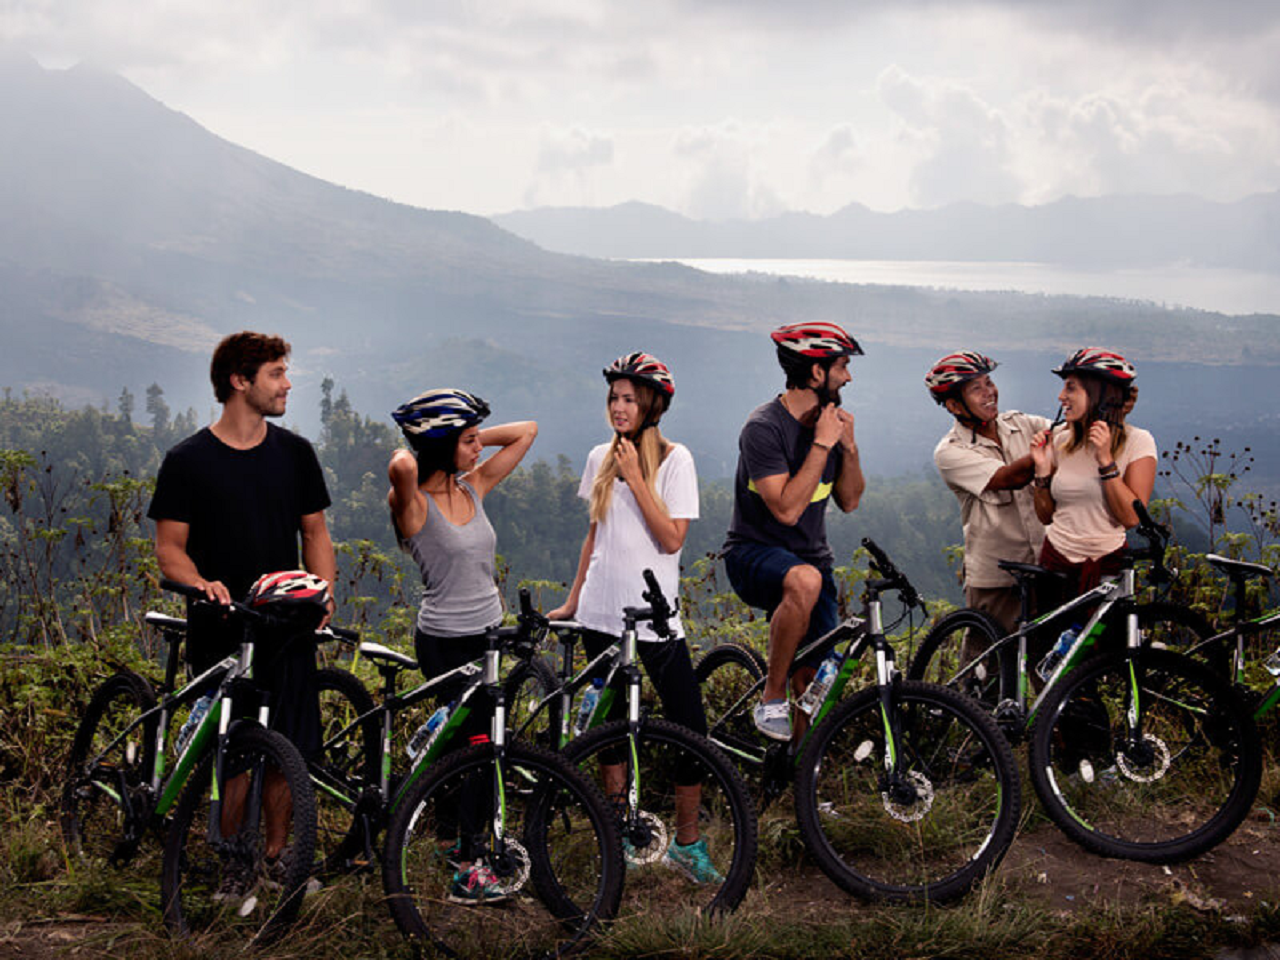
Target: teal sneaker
<point>477,885</point>
<point>693,861</point>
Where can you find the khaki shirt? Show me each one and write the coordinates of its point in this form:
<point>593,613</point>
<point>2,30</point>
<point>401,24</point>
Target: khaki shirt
<point>998,524</point>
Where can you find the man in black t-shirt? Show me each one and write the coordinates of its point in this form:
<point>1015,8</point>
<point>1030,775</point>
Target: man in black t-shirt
<point>794,454</point>
<point>231,503</point>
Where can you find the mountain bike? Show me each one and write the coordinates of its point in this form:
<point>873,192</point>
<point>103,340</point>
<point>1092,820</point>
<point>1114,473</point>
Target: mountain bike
<point>665,781</point>
<point>904,791</point>
<point>538,827</point>
<point>1137,753</point>
<point>214,807</point>
<point>969,651</point>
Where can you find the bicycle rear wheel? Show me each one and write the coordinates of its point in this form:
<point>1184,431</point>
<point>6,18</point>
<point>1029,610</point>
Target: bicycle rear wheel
<point>1174,792</point>
<point>535,823</point>
<point>345,768</point>
<point>528,683</point>
<point>945,819</point>
<point>726,674</point>
<point>956,641</point>
<point>714,798</point>
<point>228,887</point>
<point>105,806</point>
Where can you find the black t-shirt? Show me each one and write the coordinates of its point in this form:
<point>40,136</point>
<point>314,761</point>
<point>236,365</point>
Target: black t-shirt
<point>244,507</point>
<point>773,442</point>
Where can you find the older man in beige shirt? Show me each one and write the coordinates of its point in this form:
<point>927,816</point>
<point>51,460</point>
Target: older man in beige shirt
<point>986,461</point>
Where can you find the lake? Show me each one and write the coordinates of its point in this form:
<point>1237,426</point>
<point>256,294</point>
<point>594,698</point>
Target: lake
<point>1204,288</point>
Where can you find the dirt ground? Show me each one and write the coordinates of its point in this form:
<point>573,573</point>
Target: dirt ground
<point>1042,868</point>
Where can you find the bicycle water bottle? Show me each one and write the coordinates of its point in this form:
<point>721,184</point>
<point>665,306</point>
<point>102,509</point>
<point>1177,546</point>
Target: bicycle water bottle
<point>1272,663</point>
<point>426,733</point>
<point>589,700</point>
<point>1054,656</point>
<point>198,710</point>
<point>817,690</point>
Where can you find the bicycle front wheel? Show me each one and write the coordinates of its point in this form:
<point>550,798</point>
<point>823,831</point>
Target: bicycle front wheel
<point>104,806</point>
<point>688,792</point>
<point>241,875</point>
<point>1145,756</point>
<point>931,828</point>
<point>486,859</point>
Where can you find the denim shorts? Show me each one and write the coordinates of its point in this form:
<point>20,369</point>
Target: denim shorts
<point>756,572</point>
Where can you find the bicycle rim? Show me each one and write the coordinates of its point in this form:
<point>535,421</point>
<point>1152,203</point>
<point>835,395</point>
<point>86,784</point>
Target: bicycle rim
<point>94,800</point>
<point>947,819</point>
<point>557,868</point>
<point>726,674</point>
<point>1172,793</point>
<point>954,642</point>
<point>228,888</point>
<point>344,768</point>
<point>713,805</point>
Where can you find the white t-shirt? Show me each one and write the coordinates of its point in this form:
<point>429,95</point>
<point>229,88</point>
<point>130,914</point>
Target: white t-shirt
<point>1082,527</point>
<point>624,547</point>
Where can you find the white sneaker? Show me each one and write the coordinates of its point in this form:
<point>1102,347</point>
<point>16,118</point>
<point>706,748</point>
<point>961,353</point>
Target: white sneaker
<point>773,719</point>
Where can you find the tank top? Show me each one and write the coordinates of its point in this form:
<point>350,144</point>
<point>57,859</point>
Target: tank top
<point>459,594</point>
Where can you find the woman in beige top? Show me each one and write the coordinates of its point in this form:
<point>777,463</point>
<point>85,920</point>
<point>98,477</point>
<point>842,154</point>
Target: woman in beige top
<point>1089,471</point>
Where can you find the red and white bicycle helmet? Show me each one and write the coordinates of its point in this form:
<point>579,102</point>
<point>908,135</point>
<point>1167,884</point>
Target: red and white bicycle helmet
<point>815,340</point>
<point>295,595</point>
<point>643,368</point>
<point>1106,364</point>
<point>954,369</point>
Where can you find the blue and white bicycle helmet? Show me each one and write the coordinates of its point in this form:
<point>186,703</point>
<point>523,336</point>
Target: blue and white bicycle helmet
<point>439,413</point>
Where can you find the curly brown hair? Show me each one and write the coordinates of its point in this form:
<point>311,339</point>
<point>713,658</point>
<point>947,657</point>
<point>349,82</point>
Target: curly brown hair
<point>243,353</point>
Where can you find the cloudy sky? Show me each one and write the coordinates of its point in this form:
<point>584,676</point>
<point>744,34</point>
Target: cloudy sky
<point>714,108</point>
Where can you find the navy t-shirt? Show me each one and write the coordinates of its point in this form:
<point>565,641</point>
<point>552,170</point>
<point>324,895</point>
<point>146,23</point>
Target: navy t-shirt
<point>773,442</point>
<point>244,507</point>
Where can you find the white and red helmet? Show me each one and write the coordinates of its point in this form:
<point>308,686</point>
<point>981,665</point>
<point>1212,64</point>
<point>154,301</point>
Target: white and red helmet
<point>644,368</point>
<point>814,340</point>
<point>1106,364</point>
<point>953,370</point>
<point>295,595</point>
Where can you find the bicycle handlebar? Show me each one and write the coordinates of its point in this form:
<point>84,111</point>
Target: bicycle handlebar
<point>657,613</point>
<point>1157,537</point>
<point>195,593</point>
<point>891,577</point>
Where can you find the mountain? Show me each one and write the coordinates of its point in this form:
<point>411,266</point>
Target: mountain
<point>1115,232</point>
<point>131,238</point>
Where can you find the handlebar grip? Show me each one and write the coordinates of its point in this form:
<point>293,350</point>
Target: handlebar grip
<point>342,633</point>
<point>185,589</point>
<point>654,593</point>
<point>880,558</point>
<point>1144,518</point>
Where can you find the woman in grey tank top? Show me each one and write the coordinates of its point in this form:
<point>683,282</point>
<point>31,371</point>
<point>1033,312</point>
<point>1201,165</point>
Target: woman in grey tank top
<point>437,496</point>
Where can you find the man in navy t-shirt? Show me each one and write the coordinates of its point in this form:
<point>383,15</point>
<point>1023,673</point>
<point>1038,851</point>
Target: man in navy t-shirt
<point>794,454</point>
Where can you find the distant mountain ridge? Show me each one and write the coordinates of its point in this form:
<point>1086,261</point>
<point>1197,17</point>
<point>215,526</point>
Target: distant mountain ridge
<point>1114,231</point>
<point>131,238</point>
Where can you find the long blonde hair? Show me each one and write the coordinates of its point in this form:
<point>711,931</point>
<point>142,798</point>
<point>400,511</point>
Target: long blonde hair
<point>651,447</point>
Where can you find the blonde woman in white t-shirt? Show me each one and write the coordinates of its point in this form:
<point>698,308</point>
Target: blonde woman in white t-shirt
<point>1090,470</point>
<point>643,492</point>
